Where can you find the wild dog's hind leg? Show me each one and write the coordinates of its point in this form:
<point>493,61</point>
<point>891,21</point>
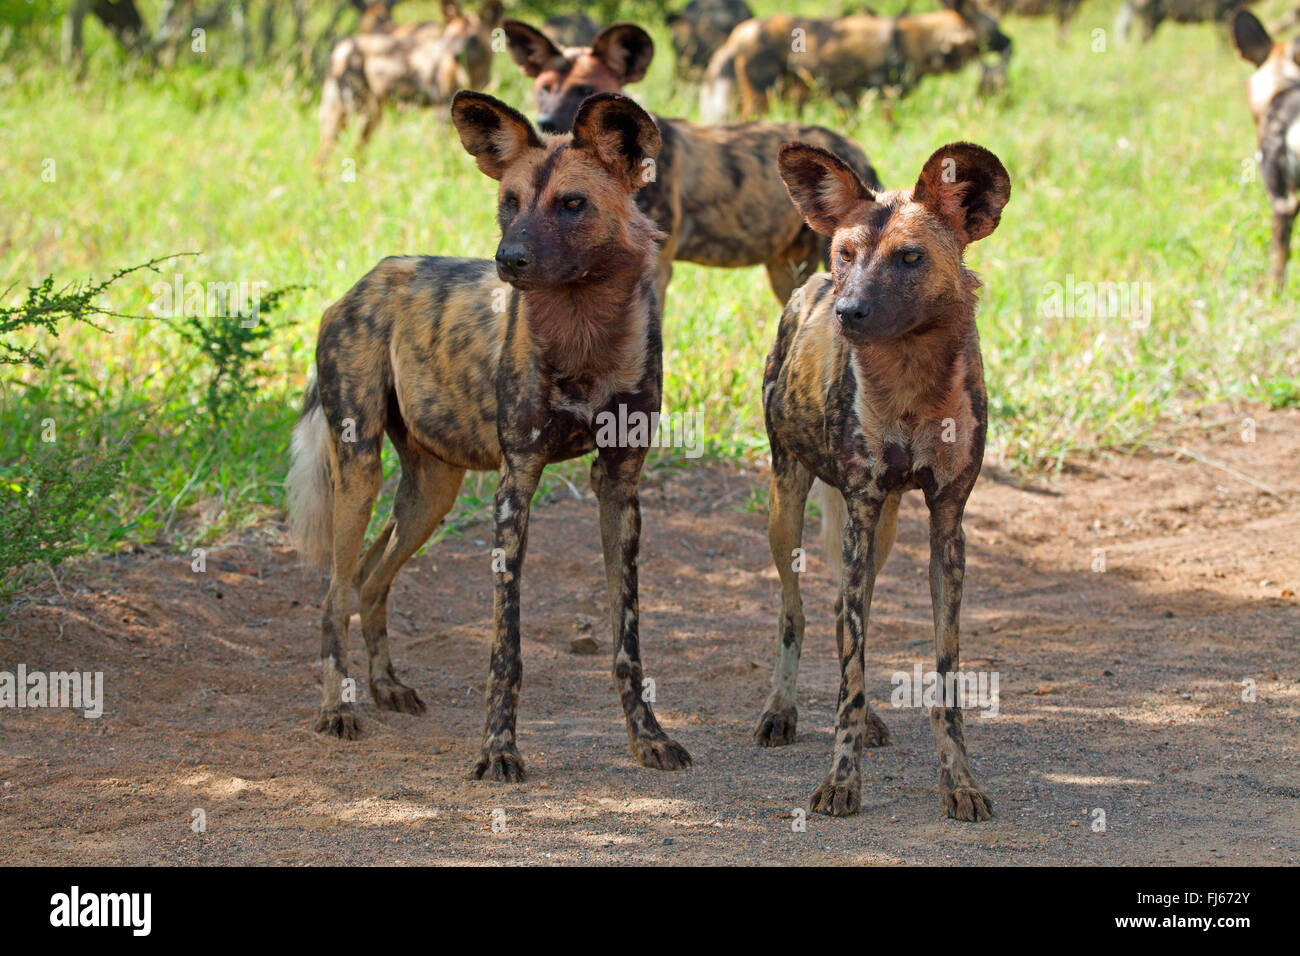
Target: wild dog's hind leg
<point>499,758</point>
<point>840,794</point>
<point>786,499</point>
<point>614,479</point>
<point>425,494</point>
<point>357,477</point>
<point>962,797</point>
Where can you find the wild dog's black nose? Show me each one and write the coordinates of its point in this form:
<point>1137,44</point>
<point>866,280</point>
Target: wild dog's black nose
<point>513,260</point>
<point>999,42</point>
<point>851,312</point>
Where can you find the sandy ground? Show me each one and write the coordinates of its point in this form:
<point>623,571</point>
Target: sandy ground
<point>1121,690</point>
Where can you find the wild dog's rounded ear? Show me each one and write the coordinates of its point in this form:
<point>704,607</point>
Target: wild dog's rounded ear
<point>622,136</point>
<point>529,47</point>
<point>1251,38</point>
<point>966,186</point>
<point>824,188</point>
<point>625,49</point>
<point>493,133</point>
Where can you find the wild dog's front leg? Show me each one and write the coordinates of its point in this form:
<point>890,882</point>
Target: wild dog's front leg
<point>499,759</point>
<point>786,499</point>
<point>840,794</point>
<point>614,477</point>
<point>962,797</point>
<point>1284,215</point>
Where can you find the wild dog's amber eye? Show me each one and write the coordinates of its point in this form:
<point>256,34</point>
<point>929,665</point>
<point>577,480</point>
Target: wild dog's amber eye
<point>574,203</point>
<point>845,255</point>
<point>511,200</point>
<point>911,257</point>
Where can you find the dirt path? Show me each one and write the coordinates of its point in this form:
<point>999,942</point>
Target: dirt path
<point>1120,690</point>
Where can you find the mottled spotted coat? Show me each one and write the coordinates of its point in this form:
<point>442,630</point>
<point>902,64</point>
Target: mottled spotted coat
<point>874,386</point>
<point>1273,92</point>
<point>471,364</point>
<point>715,194</point>
<point>793,56</point>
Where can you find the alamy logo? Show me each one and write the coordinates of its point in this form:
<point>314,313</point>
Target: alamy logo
<point>636,429</point>
<point>84,692</point>
<point>102,909</point>
<point>976,690</point>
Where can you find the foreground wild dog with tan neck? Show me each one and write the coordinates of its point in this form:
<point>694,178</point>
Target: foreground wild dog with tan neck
<point>716,194</point>
<point>875,386</point>
<point>1274,95</point>
<point>844,56</point>
<point>462,371</point>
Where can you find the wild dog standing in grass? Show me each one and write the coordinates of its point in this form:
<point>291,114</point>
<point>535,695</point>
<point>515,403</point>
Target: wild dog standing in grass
<point>464,372</point>
<point>795,56</point>
<point>422,63</point>
<point>716,193</point>
<point>875,386</point>
<point>1274,95</point>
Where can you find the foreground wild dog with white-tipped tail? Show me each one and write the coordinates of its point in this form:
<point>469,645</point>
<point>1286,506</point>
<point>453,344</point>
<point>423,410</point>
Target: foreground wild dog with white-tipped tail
<point>875,386</point>
<point>1274,95</point>
<point>464,372</point>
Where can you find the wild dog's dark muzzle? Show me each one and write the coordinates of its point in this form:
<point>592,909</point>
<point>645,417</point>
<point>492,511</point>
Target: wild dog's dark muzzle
<point>513,260</point>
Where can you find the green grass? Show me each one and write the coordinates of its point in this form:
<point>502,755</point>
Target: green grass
<point>1127,166</point>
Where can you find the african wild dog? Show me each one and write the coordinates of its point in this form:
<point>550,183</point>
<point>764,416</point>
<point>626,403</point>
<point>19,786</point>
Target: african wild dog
<point>1274,95</point>
<point>1152,13</point>
<point>875,386</point>
<point>463,372</point>
<point>700,28</point>
<point>422,63</point>
<point>716,192</point>
<point>795,56</point>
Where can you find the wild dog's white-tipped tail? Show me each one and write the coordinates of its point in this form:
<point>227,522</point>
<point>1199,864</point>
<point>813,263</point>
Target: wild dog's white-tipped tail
<point>716,90</point>
<point>309,486</point>
<point>834,514</point>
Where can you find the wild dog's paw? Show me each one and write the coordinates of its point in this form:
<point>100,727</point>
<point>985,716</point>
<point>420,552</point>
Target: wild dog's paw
<point>389,694</point>
<point>338,722</point>
<point>660,753</point>
<point>837,796</point>
<point>776,727</point>
<point>499,763</point>
<point>970,804</point>
<point>877,734</point>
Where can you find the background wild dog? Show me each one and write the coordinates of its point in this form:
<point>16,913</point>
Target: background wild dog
<point>716,193</point>
<point>1152,13</point>
<point>1274,96</point>
<point>422,63</point>
<point>874,369</point>
<point>462,373</point>
<point>845,56</point>
<point>700,28</point>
